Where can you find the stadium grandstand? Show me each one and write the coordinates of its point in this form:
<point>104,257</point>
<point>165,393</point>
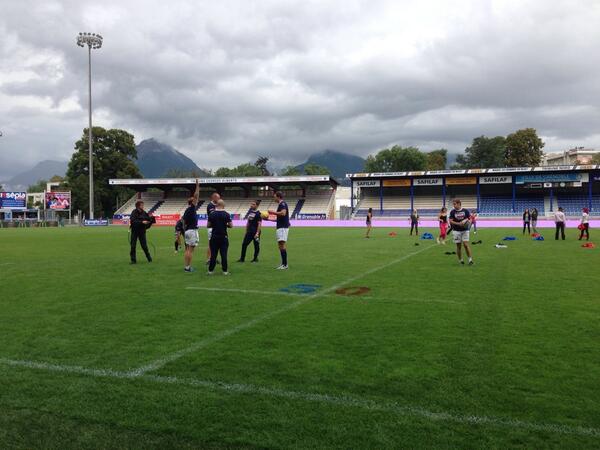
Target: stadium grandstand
<point>493,193</point>
<point>309,197</point>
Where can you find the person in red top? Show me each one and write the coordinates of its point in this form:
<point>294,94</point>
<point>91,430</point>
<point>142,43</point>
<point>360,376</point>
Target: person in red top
<point>443,219</point>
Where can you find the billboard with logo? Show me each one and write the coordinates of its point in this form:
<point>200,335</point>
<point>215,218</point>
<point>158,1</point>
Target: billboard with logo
<point>13,200</point>
<point>58,201</point>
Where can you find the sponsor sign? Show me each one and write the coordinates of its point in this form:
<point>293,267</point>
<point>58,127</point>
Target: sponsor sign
<point>167,219</point>
<point>461,180</point>
<point>498,179</point>
<point>13,200</point>
<point>311,216</point>
<point>446,172</point>
<point>510,169</point>
<point>228,180</point>
<point>552,168</point>
<point>367,183</point>
<point>58,201</point>
<point>548,178</point>
<point>393,183</point>
<point>476,171</point>
<point>427,182</point>
<point>95,223</point>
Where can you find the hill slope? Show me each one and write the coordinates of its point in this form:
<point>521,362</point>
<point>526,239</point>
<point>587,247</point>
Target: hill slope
<point>339,163</point>
<point>43,170</point>
<point>155,159</point>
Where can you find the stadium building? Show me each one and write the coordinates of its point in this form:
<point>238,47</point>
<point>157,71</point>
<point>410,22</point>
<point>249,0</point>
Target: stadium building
<point>494,193</point>
<point>309,197</point>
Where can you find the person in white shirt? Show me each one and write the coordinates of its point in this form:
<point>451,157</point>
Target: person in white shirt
<point>585,224</point>
<point>559,220</point>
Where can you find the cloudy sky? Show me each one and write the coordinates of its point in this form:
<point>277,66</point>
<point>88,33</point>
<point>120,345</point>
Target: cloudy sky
<point>225,81</point>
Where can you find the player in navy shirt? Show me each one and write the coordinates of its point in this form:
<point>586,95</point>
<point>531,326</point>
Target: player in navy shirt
<point>190,226</point>
<point>253,230</point>
<point>283,227</point>
<point>219,220</point>
<point>460,221</point>
<point>212,205</point>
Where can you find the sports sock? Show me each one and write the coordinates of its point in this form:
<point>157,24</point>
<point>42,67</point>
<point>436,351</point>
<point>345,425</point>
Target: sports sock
<point>283,257</point>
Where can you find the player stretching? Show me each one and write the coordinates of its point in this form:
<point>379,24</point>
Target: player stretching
<point>212,205</point>
<point>283,227</point>
<point>178,233</point>
<point>219,220</point>
<point>253,229</point>
<point>460,222</point>
<point>190,225</point>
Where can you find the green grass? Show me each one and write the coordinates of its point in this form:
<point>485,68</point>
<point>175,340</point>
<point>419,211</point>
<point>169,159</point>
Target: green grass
<point>501,354</point>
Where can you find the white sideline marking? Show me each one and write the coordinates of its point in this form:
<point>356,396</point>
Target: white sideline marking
<point>338,296</point>
<point>157,364</point>
<point>327,399</point>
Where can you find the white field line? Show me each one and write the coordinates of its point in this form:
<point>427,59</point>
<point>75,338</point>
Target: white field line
<point>157,364</point>
<point>347,401</point>
<point>338,296</point>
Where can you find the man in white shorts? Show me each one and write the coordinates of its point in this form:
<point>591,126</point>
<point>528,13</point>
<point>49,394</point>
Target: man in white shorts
<point>460,221</point>
<point>190,225</point>
<point>283,227</point>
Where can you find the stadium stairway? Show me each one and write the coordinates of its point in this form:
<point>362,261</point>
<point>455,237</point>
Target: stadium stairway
<point>298,208</point>
<point>155,207</point>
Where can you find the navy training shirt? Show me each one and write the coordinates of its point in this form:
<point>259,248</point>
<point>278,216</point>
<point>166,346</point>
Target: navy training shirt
<point>190,219</point>
<point>210,208</point>
<point>179,226</point>
<point>459,216</point>
<point>283,221</point>
<point>254,218</point>
<point>218,220</point>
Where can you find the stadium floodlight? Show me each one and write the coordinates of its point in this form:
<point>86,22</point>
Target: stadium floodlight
<point>93,41</point>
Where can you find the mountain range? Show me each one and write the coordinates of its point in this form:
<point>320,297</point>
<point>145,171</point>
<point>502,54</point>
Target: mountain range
<point>156,159</point>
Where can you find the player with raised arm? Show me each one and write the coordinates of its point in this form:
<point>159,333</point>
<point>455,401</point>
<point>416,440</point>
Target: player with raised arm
<point>283,227</point>
<point>212,205</point>
<point>460,223</point>
<point>190,225</point>
<point>219,221</point>
<point>253,230</point>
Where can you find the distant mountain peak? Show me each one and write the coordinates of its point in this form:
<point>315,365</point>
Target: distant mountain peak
<point>156,159</point>
<point>339,163</point>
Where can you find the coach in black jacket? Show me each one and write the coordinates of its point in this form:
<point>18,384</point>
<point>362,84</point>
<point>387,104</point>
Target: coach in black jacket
<point>139,222</point>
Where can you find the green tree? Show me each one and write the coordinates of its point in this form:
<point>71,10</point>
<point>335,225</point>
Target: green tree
<point>483,153</point>
<point>39,186</point>
<point>396,159</point>
<point>290,171</point>
<point>182,173</point>
<point>114,156</point>
<point>596,158</point>
<point>261,164</point>
<point>436,159</point>
<point>315,169</point>
<point>523,148</point>
<point>243,170</point>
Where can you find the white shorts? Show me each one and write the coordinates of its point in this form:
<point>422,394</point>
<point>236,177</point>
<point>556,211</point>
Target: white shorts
<point>209,232</point>
<point>459,237</point>
<point>191,238</point>
<point>282,234</point>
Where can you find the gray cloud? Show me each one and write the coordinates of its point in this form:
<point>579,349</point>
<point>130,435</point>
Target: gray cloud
<point>226,81</point>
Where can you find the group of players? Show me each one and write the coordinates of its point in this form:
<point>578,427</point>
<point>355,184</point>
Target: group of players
<point>460,221</point>
<point>218,223</point>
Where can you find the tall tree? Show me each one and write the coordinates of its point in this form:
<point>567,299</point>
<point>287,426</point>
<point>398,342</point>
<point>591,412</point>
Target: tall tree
<point>315,169</point>
<point>114,156</point>
<point>290,171</point>
<point>436,159</point>
<point>396,159</point>
<point>484,153</point>
<point>523,148</point>
<point>243,170</point>
<point>261,163</point>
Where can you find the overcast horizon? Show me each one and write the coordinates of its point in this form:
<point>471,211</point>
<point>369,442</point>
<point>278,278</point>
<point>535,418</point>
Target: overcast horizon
<point>225,82</point>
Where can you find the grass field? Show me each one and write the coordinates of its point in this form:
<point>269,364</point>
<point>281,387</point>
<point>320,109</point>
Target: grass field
<point>95,353</point>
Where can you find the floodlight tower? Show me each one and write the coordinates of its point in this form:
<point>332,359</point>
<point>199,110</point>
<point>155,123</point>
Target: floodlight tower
<point>93,41</point>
